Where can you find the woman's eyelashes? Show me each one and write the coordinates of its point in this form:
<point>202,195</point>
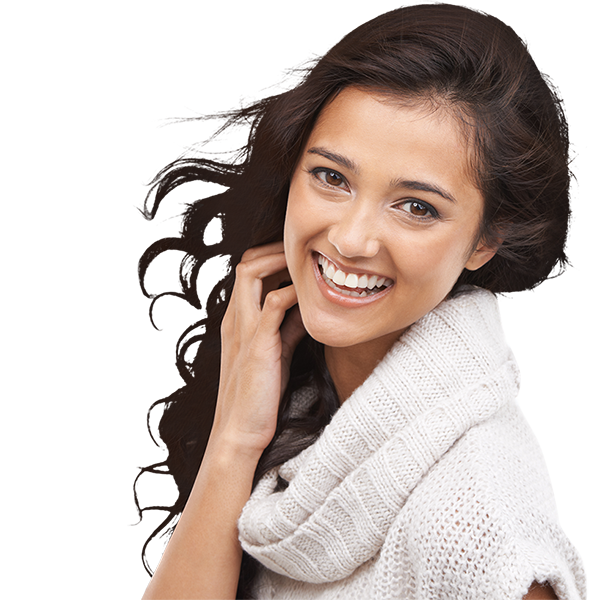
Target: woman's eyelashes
<point>329,178</point>
<point>416,209</point>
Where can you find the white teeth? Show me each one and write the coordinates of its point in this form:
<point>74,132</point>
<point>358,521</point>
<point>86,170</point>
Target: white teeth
<point>351,280</point>
<point>339,278</point>
<point>333,275</point>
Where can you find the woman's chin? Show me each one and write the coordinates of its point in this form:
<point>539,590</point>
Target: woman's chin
<point>330,335</point>
<point>343,336</point>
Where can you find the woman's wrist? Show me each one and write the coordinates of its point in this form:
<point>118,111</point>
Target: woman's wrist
<point>229,447</point>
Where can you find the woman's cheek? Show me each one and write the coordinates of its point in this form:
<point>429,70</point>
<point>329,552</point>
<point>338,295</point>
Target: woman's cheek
<point>291,243</point>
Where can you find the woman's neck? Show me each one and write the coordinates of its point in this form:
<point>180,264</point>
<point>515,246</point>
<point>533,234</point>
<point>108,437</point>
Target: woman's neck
<point>351,365</point>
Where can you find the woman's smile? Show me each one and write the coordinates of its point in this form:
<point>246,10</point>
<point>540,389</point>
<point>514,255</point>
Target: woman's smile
<point>347,287</point>
<point>382,217</point>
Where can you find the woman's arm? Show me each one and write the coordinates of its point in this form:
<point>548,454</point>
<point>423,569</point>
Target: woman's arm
<point>202,559</point>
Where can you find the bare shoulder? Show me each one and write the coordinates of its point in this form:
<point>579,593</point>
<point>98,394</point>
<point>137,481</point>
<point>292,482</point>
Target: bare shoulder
<point>540,591</point>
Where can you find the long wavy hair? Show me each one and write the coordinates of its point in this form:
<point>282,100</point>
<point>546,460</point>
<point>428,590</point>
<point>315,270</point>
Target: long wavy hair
<point>466,60</point>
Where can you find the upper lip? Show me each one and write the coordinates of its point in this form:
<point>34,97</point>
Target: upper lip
<point>346,269</point>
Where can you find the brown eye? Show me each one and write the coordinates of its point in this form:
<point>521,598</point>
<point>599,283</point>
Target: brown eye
<point>333,178</point>
<point>329,177</point>
<point>418,209</point>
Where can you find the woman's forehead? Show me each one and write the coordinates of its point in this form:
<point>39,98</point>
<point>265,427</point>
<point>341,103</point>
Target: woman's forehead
<point>432,107</point>
<point>360,125</point>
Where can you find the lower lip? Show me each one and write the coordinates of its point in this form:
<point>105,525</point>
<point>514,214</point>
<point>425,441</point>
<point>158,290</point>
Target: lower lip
<point>341,299</point>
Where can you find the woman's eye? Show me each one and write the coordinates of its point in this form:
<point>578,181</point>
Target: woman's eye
<point>419,209</point>
<point>332,178</point>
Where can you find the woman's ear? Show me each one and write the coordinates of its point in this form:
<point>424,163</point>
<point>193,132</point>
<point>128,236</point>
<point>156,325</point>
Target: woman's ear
<point>482,254</point>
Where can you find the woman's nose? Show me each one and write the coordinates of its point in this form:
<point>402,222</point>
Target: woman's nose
<point>356,233</point>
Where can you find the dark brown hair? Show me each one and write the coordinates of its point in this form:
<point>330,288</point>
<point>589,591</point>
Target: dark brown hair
<point>468,61</point>
<point>482,71</point>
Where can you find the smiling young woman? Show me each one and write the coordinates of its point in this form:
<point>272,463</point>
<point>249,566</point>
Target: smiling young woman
<point>382,193</point>
<point>348,427</point>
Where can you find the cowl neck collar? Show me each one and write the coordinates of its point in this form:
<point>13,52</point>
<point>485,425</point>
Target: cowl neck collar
<point>450,371</point>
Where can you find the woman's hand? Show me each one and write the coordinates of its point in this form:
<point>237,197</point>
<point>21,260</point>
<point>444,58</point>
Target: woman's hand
<point>258,341</point>
<point>202,559</point>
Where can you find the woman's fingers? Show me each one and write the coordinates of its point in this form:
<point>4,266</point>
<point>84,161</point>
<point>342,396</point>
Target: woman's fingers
<point>258,259</point>
<point>255,312</point>
<point>247,297</point>
<point>258,251</point>
<point>250,275</point>
<point>274,282</point>
<point>276,304</point>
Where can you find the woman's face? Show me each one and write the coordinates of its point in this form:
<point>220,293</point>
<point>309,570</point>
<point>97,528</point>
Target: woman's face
<point>382,217</point>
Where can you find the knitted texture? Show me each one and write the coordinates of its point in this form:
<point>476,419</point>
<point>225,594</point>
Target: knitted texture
<point>427,483</point>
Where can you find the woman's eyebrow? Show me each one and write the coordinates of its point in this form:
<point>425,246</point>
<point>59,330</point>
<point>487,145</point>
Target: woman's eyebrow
<point>420,186</point>
<point>336,158</point>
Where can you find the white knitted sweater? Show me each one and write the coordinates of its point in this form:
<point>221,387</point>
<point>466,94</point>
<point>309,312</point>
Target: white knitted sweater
<point>426,484</point>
